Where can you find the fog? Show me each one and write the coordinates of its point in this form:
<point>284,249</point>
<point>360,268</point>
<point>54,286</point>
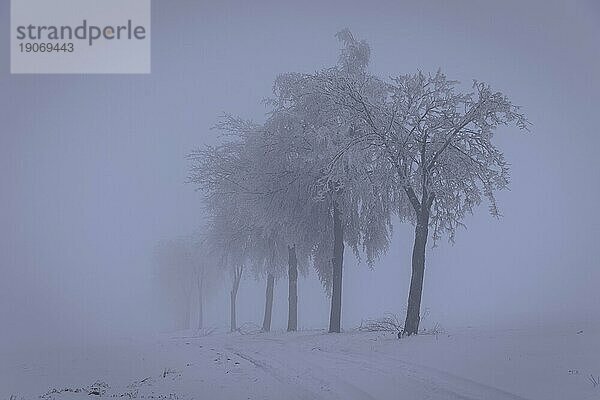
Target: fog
<point>93,169</point>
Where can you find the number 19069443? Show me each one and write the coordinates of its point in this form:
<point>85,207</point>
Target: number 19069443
<point>46,47</point>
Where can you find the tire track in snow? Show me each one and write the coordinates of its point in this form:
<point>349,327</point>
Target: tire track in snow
<point>381,374</point>
<point>331,386</point>
<point>300,392</point>
<point>436,380</point>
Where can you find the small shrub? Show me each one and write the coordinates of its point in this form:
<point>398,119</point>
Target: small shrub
<point>388,323</point>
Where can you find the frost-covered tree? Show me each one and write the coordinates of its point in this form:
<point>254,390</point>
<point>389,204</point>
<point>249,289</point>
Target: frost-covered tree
<point>226,238</point>
<point>284,204</point>
<point>349,194</point>
<point>267,257</point>
<point>299,178</point>
<point>175,276</point>
<point>448,161</point>
<point>226,173</point>
<point>206,271</point>
<point>438,142</point>
<point>186,272</point>
<point>251,167</point>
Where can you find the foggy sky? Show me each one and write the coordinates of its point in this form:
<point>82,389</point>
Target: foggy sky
<point>92,168</point>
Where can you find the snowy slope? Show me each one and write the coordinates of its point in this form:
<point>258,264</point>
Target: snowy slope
<point>470,364</point>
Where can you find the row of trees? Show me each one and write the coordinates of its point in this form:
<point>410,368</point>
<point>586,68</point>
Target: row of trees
<point>342,154</point>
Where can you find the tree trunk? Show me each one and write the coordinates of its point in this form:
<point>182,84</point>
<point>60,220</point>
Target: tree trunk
<point>200,305</point>
<point>182,321</point>
<point>268,303</point>
<point>413,318</point>
<point>233,323</point>
<point>237,276</point>
<point>335,316</point>
<point>187,312</point>
<point>292,290</point>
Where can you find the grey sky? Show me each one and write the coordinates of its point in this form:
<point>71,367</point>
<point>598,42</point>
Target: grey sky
<point>92,168</point>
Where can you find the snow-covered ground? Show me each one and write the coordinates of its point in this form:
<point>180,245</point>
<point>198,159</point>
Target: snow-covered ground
<point>461,364</point>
